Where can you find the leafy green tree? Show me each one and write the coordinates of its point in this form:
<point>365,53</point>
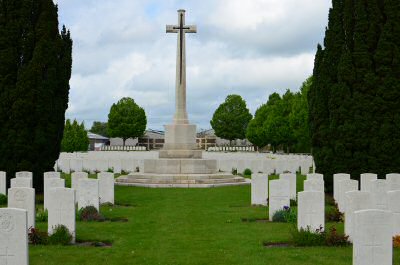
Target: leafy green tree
<point>353,112</point>
<point>35,68</point>
<point>75,137</point>
<point>126,120</point>
<point>282,122</point>
<point>100,128</point>
<point>231,118</point>
<point>298,119</point>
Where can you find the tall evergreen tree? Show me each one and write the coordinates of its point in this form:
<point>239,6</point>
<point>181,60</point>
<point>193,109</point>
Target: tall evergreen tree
<point>354,119</point>
<point>35,69</point>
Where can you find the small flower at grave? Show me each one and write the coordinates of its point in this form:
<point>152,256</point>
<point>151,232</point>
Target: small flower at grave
<point>286,208</point>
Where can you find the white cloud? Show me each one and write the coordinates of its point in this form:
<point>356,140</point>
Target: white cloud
<point>252,48</point>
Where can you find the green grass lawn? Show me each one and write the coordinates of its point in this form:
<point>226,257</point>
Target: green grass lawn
<point>187,226</point>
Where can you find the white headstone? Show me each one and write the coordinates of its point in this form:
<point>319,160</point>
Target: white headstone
<point>21,183</point>
<point>51,174</point>
<point>311,210</point>
<point>259,190</point>
<point>343,187</point>
<point>75,177</point>
<point>394,207</point>
<point>50,183</point>
<point>366,179</point>
<point>355,201</point>
<point>372,242</point>
<point>24,174</point>
<point>315,176</point>
<point>116,165</point>
<point>88,193</point>
<point>379,189</point>
<point>336,178</point>
<point>106,187</point>
<point>23,198</point>
<point>279,196</point>
<point>3,183</point>
<point>13,237</point>
<point>76,165</point>
<point>61,209</point>
<point>314,185</point>
<point>292,178</point>
<point>393,180</point>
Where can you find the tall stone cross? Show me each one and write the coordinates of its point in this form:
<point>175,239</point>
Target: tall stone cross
<point>181,116</point>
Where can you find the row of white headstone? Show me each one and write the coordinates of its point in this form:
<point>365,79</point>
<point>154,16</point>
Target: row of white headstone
<point>372,215</point>
<point>118,165</point>
<point>58,200</point>
<point>230,148</point>
<point>123,148</point>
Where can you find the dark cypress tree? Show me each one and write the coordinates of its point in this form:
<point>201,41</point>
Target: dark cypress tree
<point>35,69</point>
<point>354,119</point>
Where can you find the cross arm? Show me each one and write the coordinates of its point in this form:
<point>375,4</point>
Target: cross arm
<point>191,29</point>
<point>171,29</point>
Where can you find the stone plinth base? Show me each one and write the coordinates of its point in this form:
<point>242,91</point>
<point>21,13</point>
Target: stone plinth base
<point>180,137</point>
<point>181,180</point>
<point>196,154</point>
<point>180,166</point>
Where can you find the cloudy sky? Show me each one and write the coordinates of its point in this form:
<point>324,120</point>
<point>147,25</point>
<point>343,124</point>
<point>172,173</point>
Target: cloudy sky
<point>251,48</point>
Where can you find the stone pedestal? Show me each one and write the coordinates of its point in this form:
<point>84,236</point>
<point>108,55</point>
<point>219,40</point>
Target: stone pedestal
<point>180,166</point>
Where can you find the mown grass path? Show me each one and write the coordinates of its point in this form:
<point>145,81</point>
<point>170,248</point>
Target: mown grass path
<point>187,226</point>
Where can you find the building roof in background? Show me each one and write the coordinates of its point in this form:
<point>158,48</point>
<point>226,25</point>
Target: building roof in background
<point>96,136</point>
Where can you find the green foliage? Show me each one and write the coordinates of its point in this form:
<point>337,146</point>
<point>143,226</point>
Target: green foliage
<point>308,238</point>
<point>126,120</point>
<point>100,128</point>
<point>332,214</point>
<point>231,118</point>
<point>286,215</point>
<point>353,100</point>
<point>89,214</point>
<point>75,137</point>
<point>247,172</point>
<point>37,237</point>
<point>3,199</point>
<point>36,61</point>
<point>60,236</point>
<point>279,216</point>
<point>282,122</point>
<point>334,239</point>
<point>234,171</point>
<point>41,216</point>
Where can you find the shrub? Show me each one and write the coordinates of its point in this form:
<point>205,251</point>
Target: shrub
<point>41,216</point>
<point>89,214</point>
<point>60,236</point>
<point>396,241</point>
<point>333,214</point>
<point>3,199</point>
<point>279,216</point>
<point>286,215</point>
<point>234,171</point>
<point>293,202</point>
<point>247,172</point>
<point>36,237</point>
<point>332,238</point>
<point>306,237</point>
<point>110,170</point>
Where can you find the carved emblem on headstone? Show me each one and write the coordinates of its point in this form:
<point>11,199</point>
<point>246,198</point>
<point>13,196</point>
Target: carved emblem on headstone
<point>20,195</point>
<point>6,223</point>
